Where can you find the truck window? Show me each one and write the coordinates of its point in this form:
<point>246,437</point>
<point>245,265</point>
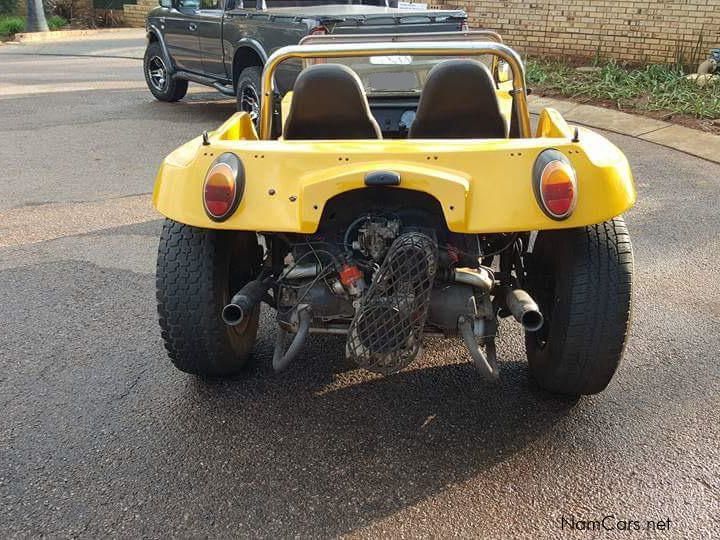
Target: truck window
<point>188,4</point>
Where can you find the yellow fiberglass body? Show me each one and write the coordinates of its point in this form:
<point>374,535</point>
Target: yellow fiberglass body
<point>482,185</point>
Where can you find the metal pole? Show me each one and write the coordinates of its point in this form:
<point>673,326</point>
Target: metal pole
<point>350,50</point>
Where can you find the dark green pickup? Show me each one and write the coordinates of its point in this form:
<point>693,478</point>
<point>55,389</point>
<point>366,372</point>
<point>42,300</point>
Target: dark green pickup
<point>225,43</point>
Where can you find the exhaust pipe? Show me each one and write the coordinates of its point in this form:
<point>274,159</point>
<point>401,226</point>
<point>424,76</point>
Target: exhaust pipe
<point>524,309</point>
<point>245,301</point>
<point>281,360</point>
<point>479,278</point>
<point>485,361</point>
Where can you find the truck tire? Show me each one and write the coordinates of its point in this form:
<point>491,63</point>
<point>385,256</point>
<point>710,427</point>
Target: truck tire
<point>198,271</point>
<point>581,279</point>
<point>248,90</point>
<point>158,76</point>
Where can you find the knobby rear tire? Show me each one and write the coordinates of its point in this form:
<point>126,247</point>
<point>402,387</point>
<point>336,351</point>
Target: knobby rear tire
<point>198,271</point>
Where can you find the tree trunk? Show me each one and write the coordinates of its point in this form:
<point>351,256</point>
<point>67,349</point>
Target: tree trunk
<point>35,17</point>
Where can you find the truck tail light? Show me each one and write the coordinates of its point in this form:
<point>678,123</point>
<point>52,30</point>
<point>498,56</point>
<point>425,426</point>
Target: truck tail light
<point>555,184</point>
<point>224,186</point>
<point>318,31</point>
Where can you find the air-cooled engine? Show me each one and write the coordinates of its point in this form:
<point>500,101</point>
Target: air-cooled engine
<point>383,282</point>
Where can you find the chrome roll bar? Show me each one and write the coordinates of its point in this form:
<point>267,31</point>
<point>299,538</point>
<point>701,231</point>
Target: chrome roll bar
<point>421,48</point>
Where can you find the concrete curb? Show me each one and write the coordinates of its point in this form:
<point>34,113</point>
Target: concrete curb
<point>64,35</point>
<point>690,141</point>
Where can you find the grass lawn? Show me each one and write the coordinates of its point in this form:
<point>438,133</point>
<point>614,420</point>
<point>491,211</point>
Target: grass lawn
<point>658,91</point>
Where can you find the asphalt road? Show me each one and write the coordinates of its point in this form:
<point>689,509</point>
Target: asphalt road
<point>100,436</point>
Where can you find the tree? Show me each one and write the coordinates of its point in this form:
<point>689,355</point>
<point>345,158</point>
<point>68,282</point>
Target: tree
<point>36,17</point>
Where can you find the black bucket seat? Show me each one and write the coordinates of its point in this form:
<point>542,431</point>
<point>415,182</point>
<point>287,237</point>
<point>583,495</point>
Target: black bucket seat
<point>329,102</point>
<point>459,102</point>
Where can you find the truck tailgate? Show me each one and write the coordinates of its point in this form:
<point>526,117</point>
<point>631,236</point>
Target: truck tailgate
<point>411,23</point>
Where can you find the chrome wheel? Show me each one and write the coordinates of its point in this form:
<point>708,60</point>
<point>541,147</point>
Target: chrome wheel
<point>157,73</point>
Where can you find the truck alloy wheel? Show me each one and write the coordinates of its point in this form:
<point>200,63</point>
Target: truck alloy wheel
<point>157,73</point>
<point>248,92</point>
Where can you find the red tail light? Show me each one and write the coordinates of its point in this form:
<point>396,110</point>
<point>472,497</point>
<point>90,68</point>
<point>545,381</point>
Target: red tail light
<point>557,188</point>
<point>555,184</point>
<point>318,31</point>
<point>224,186</point>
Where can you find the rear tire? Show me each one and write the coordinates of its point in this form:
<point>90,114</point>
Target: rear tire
<point>198,270</point>
<point>581,279</point>
<point>158,76</point>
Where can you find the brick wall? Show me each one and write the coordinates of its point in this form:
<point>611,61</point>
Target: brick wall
<point>627,30</point>
<point>135,14</point>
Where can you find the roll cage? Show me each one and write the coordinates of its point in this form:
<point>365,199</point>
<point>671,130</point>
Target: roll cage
<point>421,48</point>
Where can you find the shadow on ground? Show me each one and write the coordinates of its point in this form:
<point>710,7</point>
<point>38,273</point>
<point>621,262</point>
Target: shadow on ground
<point>342,449</point>
<point>114,431</point>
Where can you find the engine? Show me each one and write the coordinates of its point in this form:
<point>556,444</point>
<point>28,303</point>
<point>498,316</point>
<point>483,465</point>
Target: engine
<point>384,270</point>
<point>383,281</point>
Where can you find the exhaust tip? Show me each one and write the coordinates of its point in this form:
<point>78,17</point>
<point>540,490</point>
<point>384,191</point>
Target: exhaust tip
<point>532,321</point>
<point>524,309</point>
<point>232,315</point>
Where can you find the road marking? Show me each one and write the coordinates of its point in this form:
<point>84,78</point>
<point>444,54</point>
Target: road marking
<point>15,90</point>
<point>33,224</point>
<point>57,63</point>
<point>10,89</point>
<point>127,53</point>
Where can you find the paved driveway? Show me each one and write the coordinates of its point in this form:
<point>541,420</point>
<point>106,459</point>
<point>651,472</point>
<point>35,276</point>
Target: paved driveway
<point>100,436</point>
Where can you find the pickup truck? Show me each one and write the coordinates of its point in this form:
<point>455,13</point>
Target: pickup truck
<point>225,43</point>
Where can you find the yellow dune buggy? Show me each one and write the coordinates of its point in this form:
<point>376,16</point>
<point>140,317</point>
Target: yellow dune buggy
<point>398,192</point>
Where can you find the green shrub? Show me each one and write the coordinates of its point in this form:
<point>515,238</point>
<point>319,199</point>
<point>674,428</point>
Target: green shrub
<point>7,7</point>
<point>56,22</point>
<point>650,88</point>
<point>11,25</point>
